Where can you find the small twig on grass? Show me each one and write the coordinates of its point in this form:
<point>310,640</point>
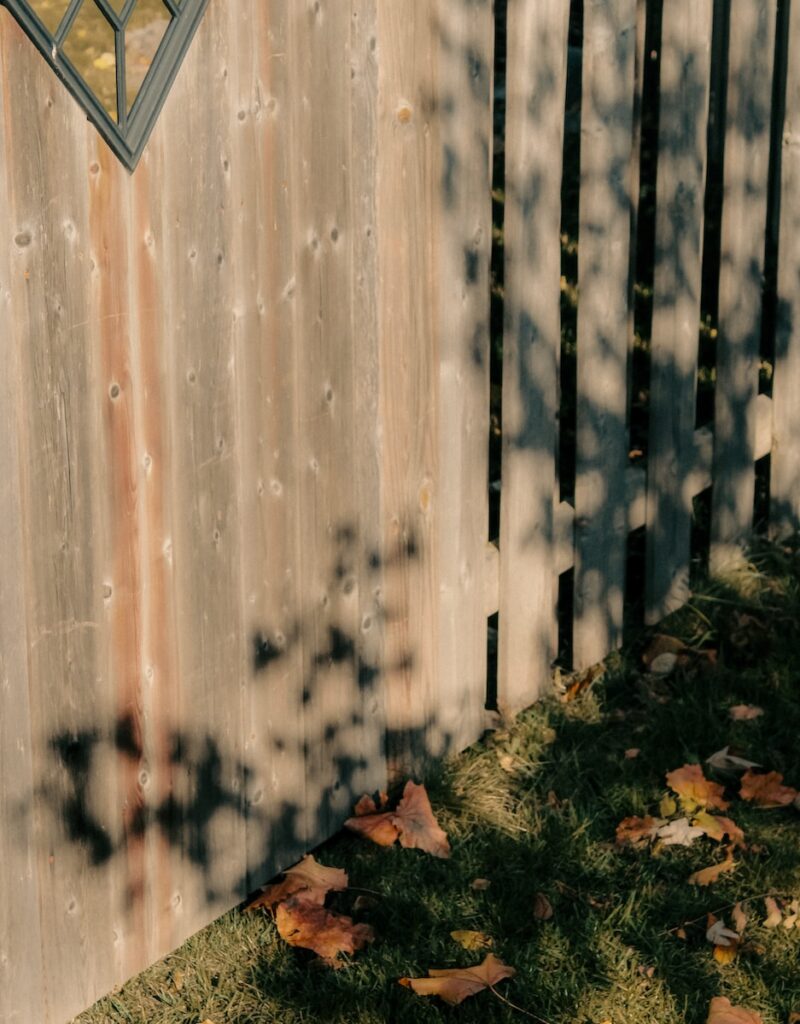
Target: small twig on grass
<point>514,1006</point>
<point>727,906</point>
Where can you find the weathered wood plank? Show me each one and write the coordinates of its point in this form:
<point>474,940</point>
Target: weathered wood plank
<point>535,97</point>
<point>746,176</point>
<point>684,98</point>
<point>21,969</point>
<point>194,238</point>
<point>603,338</point>
<point>406,206</point>
<point>785,464</point>
<point>463,129</point>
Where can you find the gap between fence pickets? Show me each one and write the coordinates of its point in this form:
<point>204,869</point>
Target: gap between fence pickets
<point>699,479</point>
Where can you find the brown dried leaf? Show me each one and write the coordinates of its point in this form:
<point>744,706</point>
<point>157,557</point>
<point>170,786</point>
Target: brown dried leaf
<point>766,789</point>
<point>635,831</point>
<point>413,823</point>
<point>631,753</point>
<point>722,1012</point>
<point>457,984</point>
<point>472,940</point>
<point>739,919</point>
<point>774,915</point>
<point>313,880</point>
<point>708,875</point>
<point>662,644</point>
<point>305,924</point>
<point>694,789</point>
<point>745,712</point>
<point>542,907</point>
<point>419,829</point>
<point>480,884</point>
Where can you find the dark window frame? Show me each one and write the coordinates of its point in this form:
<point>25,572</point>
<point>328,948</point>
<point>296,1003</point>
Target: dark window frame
<point>128,135</point>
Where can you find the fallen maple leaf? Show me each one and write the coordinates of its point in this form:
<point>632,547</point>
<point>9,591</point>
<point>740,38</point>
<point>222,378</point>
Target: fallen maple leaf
<point>308,877</point>
<point>306,924</point>
<point>679,833</point>
<point>413,823</point>
<point>635,830</point>
<point>792,915</point>
<point>694,789</point>
<point>722,1012</point>
<point>724,761</point>
<point>766,789</point>
<point>710,874</point>
<point>717,826</point>
<point>456,984</point>
<point>472,940</point>
<point>745,712</point>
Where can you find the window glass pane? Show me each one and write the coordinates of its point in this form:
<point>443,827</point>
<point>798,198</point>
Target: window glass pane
<point>90,46</point>
<point>146,29</point>
<point>50,13</point>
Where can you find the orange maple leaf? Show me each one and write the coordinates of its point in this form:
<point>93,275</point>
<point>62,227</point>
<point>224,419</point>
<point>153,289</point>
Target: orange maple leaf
<point>413,823</point>
<point>694,789</point>
<point>636,831</point>
<point>308,877</point>
<point>722,1012</point>
<point>303,923</point>
<point>766,789</point>
<point>456,984</point>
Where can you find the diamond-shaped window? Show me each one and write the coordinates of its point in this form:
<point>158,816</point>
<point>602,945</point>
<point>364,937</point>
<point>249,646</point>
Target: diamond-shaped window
<point>117,57</point>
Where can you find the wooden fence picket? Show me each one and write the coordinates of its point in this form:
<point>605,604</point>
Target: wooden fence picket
<point>601,522</point>
<point>535,90</point>
<point>785,463</point>
<point>751,52</point>
<point>684,91</point>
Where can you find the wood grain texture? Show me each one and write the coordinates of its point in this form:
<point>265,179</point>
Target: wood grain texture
<point>603,337</point>
<point>685,69</point>
<point>744,213</point>
<point>21,970</point>
<point>535,91</point>
<point>785,463</point>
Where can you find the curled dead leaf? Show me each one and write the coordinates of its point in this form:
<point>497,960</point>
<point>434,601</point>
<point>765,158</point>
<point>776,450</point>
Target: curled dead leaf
<point>722,1012</point>
<point>413,823</point>
<point>774,914</point>
<point>542,907</point>
<point>719,934</point>
<point>710,874</point>
<point>312,879</point>
<point>457,984</point>
<point>745,712</point>
<point>306,924</point>
<point>635,831</point>
<point>472,940</point>
<point>724,761</point>
<point>679,833</point>
<point>766,789</point>
<point>695,790</point>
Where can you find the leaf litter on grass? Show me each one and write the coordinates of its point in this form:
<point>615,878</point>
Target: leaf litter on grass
<point>611,951</point>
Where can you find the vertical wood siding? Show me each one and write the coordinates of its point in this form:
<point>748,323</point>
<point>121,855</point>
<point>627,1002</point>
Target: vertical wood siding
<point>244,418</point>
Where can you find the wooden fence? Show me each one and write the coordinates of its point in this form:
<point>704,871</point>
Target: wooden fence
<point>245,407</point>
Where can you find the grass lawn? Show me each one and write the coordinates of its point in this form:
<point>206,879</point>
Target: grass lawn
<point>534,810</point>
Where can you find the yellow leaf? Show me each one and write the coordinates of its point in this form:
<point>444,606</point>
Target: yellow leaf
<point>667,807</point>
<point>472,940</point>
<point>694,789</point>
<point>726,954</point>
<point>104,61</point>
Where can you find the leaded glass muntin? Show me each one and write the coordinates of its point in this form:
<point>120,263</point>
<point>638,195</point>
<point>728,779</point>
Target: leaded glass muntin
<point>126,126</point>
